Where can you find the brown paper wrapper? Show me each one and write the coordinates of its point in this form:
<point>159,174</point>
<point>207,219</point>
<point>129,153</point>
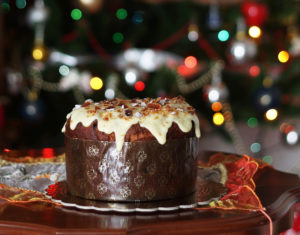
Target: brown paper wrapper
<point>141,171</point>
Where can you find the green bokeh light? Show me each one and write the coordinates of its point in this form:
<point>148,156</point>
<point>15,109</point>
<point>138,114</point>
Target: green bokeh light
<point>76,14</point>
<point>223,35</point>
<point>118,37</point>
<point>21,4</point>
<point>267,159</point>
<point>252,122</point>
<point>121,14</point>
<point>5,7</point>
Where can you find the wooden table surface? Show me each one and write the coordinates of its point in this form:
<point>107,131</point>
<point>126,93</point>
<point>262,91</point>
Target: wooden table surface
<point>279,193</point>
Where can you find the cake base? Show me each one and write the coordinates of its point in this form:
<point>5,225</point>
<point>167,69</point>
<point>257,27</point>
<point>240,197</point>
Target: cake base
<point>141,171</point>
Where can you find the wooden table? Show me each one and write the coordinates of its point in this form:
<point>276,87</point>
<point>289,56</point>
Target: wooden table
<point>279,193</point>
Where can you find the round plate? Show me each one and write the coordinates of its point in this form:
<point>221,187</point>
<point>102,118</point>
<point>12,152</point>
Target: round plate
<point>207,191</point>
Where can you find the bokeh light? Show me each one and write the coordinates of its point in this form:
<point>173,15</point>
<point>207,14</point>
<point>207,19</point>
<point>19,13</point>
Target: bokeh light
<point>109,94</point>
<point>213,95</point>
<point>254,71</point>
<point>96,83</point>
<point>271,114</point>
<point>121,14</point>
<point>255,147</point>
<point>118,37</point>
<point>283,56</point>
<point>216,106</point>
<point>223,35</point>
<point>64,70</point>
<point>268,159</point>
<point>252,122</point>
<point>218,119</point>
<point>38,53</point>
<point>21,4</point>
<point>76,14</point>
<point>190,62</point>
<point>138,17</point>
<point>5,7</point>
<point>48,152</point>
<point>292,138</point>
<point>254,32</point>
<point>139,86</point>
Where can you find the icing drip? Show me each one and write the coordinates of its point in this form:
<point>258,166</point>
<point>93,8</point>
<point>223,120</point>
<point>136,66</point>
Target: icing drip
<point>117,115</point>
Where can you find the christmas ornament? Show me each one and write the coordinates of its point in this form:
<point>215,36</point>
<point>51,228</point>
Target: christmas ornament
<point>241,51</point>
<point>214,18</point>
<point>91,6</point>
<point>255,13</point>
<point>76,79</point>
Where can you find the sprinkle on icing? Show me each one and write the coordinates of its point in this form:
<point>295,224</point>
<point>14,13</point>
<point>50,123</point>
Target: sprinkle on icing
<point>118,115</point>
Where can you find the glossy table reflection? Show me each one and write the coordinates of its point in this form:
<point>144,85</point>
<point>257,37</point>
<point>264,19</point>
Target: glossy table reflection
<point>279,193</point>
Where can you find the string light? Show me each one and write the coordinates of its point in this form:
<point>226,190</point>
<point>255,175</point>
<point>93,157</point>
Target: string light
<point>190,62</point>
<point>96,83</point>
<point>139,86</point>
<point>76,14</point>
<point>254,71</point>
<point>118,37</point>
<point>38,53</point>
<point>216,106</point>
<point>218,119</point>
<point>283,56</point>
<point>254,32</point>
<point>121,14</point>
<point>223,35</point>
<point>271,114</point>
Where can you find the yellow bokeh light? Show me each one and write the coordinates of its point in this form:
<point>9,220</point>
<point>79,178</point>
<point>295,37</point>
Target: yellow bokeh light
<point>38,53</point>
<point>271,114</point>
<point>283,56</point>
<point>218,119</point>
<point>96,83</point>
<point>254,32</point>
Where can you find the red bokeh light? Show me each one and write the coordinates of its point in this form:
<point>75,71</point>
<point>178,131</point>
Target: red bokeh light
<point>254,71</point>
<point>139,86</point>
<point>48,152</point>
<point>190,62</point>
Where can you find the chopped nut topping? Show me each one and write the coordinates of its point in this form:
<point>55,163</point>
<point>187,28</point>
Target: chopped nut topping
<point>128,112</point>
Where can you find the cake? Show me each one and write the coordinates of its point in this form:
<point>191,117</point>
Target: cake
<point>132,150</point>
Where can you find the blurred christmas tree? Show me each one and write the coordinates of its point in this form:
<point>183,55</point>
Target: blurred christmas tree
<point>231,59</point>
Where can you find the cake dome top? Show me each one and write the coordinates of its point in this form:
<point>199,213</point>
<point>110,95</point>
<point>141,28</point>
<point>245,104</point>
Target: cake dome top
<point>118,115</point>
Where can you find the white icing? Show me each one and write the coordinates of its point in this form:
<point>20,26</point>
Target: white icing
<point>119,118</point>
